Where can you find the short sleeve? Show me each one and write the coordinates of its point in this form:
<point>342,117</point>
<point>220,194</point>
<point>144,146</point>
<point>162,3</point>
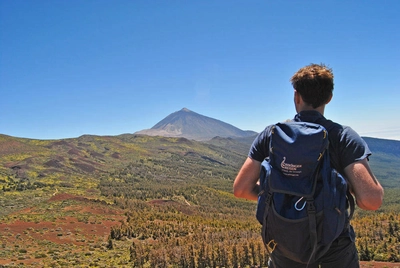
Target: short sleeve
<point>352,147</point>
<point>259,150</point>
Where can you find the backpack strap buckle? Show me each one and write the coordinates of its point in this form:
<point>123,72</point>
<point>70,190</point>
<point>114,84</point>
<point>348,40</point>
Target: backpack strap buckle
<point>310,206</point>
<point>268,199</point>
<point>271,245</point>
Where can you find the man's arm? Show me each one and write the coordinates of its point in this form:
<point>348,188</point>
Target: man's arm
<point>364,185</point>
<point>246,182</point>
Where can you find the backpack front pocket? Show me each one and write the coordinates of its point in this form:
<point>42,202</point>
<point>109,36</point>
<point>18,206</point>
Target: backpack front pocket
<point>291,236</point>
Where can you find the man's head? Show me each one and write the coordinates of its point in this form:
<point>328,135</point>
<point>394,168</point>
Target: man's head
<point>314,83</point>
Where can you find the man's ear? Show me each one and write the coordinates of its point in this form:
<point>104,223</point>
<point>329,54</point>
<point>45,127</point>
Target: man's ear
<point>329,99</point>
<point>297,97</point>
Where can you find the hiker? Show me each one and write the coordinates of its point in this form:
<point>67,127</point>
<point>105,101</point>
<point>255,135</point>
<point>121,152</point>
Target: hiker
<point>313,86</point>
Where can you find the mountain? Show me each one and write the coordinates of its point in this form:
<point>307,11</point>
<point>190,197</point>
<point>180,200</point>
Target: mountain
<point>194,126</point>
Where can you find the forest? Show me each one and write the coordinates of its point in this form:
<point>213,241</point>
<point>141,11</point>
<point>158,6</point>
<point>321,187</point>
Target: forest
<point>200,234</point>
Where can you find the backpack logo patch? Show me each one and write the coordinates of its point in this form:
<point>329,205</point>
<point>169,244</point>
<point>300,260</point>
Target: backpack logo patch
<point>290,169</point>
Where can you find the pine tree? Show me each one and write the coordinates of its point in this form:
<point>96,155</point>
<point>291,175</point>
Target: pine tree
<point>235,258</point>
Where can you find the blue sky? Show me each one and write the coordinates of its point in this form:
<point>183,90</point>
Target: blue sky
<point>69,68</point>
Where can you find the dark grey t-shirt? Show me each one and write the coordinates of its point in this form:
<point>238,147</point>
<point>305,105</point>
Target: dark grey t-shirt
<point>345,145</point>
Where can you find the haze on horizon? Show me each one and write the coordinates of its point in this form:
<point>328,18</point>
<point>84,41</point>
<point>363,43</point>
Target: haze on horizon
<point>69,68</point>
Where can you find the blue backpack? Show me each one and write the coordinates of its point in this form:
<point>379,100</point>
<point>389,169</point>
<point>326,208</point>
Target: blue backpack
<point>303,202</point>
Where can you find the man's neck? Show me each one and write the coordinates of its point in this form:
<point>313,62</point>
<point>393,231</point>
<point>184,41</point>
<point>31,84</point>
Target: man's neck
<point>319,109</point>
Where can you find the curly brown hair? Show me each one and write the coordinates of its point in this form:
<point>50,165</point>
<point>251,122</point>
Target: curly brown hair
<point>314,83</point>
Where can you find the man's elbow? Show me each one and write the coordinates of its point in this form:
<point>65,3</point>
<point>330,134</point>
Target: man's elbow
<point>372,201</point>
<point>246,192</point>
<point>238,191</point>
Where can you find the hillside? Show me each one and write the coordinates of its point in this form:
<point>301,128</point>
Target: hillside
<point>76,165</point>
<point>147,201</point>
<point>385,160</point>
<point>193,126</point>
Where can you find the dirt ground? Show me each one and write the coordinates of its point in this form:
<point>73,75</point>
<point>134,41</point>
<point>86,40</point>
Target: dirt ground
<point>375,264</point>
<point>30,242</point>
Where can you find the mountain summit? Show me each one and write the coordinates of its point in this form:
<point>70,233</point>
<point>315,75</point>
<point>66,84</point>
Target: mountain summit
<point>191,125</point>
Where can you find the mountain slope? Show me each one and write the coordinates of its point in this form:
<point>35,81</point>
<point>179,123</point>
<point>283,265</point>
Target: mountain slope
<point>385,160</point>
<point>191,125</point>
<point>114,199</point>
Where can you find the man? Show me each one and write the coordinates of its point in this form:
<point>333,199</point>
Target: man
<point>313,87</point>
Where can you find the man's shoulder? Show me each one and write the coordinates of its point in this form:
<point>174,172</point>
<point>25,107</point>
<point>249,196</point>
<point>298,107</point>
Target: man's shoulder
<point>341,130</point>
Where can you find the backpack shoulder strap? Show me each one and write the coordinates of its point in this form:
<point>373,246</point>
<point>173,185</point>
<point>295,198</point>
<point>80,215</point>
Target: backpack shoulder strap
<point>329,125</point>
